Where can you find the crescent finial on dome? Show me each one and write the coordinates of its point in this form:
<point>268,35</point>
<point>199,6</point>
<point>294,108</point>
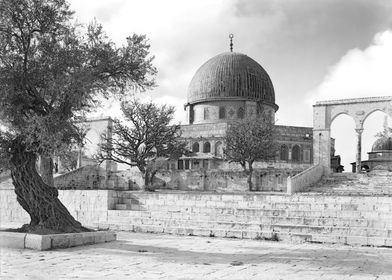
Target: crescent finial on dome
<point>231,36</point>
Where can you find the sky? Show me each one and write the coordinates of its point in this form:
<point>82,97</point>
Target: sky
<point>313,50</point>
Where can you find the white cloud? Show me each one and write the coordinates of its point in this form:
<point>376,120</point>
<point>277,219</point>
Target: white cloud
<point>360,73</point>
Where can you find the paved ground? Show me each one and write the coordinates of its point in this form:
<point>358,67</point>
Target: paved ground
<point>151,256</point>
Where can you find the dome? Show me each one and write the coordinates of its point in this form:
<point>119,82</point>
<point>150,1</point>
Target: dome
<point>231,76</point>
<point>383,144</point>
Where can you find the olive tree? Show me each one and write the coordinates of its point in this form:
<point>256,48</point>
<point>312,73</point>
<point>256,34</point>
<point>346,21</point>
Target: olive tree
<point>53,71</point>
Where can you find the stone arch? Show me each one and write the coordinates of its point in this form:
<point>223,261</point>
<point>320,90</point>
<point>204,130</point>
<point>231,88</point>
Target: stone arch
<point>324,112</point>
<point>219,148</point>
<point>206,147</point>
<point>195,147</point>
<point>284,153</point>
<point>296,153</point>
<point>371,113</point>
<point>333,118</point>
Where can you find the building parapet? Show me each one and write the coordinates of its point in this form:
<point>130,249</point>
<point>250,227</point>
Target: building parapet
<point>353,101</point>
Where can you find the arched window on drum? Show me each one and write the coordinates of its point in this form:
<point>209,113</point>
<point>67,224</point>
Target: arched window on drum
<point>219,148</point>
<point>195,147</point>
<point>284,153</point>
<point>207,147</point>
<point>296,154</point>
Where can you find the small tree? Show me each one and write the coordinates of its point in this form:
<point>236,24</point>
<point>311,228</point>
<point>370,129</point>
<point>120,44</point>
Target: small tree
<point>385,134</point>
<point>249,140</point>
<point>53,71</point>
<point>147,143</point>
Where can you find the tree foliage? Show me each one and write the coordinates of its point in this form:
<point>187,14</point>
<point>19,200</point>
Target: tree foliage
<point>249,140</point>
<point>146,141</point>
<point>385,134</point>
<point>53,71</point>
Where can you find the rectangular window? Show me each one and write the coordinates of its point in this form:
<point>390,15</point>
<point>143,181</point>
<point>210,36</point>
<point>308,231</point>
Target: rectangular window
<point>187,164</point>
<point>307,156</point>
<point>180,164</point>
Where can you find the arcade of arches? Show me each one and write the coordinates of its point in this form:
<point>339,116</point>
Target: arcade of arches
<point>359,109</point>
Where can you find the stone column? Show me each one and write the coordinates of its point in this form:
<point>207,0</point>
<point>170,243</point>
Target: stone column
<point>359,149</point>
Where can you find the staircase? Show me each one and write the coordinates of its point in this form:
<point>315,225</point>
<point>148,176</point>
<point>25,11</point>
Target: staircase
<point>368,184</point>
<point>306,217</point>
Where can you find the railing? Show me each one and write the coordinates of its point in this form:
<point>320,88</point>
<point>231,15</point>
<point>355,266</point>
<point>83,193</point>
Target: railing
<point>305,179</point>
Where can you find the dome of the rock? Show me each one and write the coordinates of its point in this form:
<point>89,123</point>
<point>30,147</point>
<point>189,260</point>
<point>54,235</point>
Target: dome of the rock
<point>231,76</point>
<point>382,144</point>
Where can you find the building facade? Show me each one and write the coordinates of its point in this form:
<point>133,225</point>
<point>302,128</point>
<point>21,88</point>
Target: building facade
<point>229,87</point>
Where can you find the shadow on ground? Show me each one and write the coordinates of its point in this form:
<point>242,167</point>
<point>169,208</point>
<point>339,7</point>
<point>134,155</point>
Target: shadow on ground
<point>210,251</point>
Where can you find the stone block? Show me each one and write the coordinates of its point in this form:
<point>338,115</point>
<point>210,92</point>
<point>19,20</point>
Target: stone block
<point>88,238</point>
<point>76,239</point>
<point>100,237</point>
<point>234,234</point>
<point>388,242</point>
<point>14,240</point>
<point>59,241</point>
<point>38,242</point>
<point>300,238</point>
<point>376,241</point>
<point>357,240</point>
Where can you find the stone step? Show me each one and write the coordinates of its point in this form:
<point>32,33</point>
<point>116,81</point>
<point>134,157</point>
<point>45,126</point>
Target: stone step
<point>257,214</point>
<point>121,206</point>
<point>266,220</point>
<point>133,207</point>
<point>313,198</point>
<point>130,201</point>
<point>252,226</point>
<point>362,207</point>
<point>267,235</point>
<point>316,200</point>
<point>351,212</point>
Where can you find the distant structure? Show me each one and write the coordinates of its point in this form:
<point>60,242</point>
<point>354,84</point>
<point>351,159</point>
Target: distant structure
<point>228,87</point>
<point>380,156</point>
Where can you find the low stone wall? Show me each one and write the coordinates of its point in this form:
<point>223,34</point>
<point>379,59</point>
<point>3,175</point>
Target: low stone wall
<point>86,177</point>
<point>267,179</point>
<point>90,207</point>
<point>305,179</point>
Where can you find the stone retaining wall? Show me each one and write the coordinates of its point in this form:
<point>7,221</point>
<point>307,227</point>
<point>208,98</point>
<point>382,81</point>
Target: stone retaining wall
<point>356,220</point>
<point>90,207</point>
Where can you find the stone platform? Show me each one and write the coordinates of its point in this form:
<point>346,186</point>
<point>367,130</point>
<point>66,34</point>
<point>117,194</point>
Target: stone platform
<point>344,209</point>
<point>311,217</point>
<point>38,242</point>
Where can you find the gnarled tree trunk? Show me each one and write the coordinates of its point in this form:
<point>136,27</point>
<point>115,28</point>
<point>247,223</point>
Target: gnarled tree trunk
<point>46,170</point>
<point>37,198</point>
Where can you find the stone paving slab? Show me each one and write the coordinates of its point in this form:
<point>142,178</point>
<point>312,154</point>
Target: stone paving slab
<point>154,256</point>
